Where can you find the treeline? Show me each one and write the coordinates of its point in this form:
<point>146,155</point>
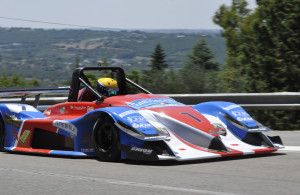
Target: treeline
<point>199,73</point>
<point>263,56</point>
<point>17,81</point>
<point>263,53</point>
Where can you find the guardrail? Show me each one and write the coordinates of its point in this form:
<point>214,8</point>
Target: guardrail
<point>278,100</point>
<point>265,101</point>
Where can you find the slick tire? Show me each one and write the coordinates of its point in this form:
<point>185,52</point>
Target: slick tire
<point>2,135</point>
<point>106,140</point>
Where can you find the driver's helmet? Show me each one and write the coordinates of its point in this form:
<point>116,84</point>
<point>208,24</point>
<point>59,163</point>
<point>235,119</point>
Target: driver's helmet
<point>107,87</point>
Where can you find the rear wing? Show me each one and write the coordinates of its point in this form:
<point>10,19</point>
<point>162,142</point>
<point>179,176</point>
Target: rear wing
<point>24,92</point>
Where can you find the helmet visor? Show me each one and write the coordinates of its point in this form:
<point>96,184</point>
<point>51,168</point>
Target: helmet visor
<point>112,93</point>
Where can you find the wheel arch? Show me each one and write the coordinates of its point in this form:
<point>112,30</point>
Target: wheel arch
<point>96,114</point>
<point>1,117</point>
<point>2,120</point>
<point>103,114</point>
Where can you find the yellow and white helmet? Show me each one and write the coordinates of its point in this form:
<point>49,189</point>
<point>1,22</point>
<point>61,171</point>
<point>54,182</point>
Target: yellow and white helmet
<point>107,87</point>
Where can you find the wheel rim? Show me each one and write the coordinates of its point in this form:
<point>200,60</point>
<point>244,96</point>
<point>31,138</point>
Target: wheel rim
<point>105,138</point>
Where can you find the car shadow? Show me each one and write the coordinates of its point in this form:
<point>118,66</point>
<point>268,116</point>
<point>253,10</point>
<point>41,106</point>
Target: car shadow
<point>151,163</point>
<point>202,161</point>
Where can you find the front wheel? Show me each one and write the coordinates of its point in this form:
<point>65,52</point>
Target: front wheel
<point>106,140</point>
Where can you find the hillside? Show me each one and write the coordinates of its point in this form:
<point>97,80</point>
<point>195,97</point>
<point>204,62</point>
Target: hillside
<point>49,55</point>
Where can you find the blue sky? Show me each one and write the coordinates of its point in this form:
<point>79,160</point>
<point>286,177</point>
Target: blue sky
<point>124,14</point>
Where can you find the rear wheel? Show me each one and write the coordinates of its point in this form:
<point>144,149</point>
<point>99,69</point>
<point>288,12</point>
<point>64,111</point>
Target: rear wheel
<point>106,140</point>
<point>2,135</point>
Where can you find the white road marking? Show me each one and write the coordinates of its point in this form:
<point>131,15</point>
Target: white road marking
<point>118,182</point>
<point>291,148</point>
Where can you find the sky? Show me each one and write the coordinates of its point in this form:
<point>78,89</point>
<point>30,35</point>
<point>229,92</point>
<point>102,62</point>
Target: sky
<point>116,14</point>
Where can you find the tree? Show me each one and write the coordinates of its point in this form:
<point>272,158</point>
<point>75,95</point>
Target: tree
<point>158,59</point>
<point>134,75</point>
<point>93,78</point>
<point>34,83</point>
<point>201,57</point>
<point>162,82</point>
<point>231,19</point>
<point>4,82</point>
<point>16,81</point>
<point>197,68</point>
<point>152,79</point>
<point>172,82</point>
<point>263,48</point>
<point>273,57</point>
<point>275,47</point>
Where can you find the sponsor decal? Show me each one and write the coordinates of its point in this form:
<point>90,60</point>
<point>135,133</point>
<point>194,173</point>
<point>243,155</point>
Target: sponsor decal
<point>66,126</point>
<point>231,107</point>
<point>142,103</point>
<point>12,120</point>
<point>126,113</point>
<point>242,116</point>
<point>90,108</point>
<point>24,137</point>
<point>165,105</point>
<point>62,110</point>
<point>141,125</point>
<point>244,119</point>
<point>142,150</point>
<point>239,113</point>
<point>136,119</point>
<point>80,108</point>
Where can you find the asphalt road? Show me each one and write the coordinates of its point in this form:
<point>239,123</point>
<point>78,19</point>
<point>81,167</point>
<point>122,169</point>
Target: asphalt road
<point>277,173</point>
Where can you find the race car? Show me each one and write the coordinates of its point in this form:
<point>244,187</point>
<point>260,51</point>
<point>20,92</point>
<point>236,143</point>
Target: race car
<point>141,126</point>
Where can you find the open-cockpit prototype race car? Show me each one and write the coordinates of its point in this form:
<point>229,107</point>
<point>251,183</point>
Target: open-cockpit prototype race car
<point>142,126</point>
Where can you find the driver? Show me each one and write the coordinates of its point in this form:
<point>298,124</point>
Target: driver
<point>107,87</point>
